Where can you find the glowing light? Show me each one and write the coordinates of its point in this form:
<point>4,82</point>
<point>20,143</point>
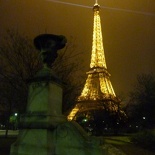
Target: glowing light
<point>67,3</point>
<point>97,57</point>
<point>98,85</point>
<point>73,113</point>
<point>129,11</point>
<point>84,120</point>
<point>105,7</point>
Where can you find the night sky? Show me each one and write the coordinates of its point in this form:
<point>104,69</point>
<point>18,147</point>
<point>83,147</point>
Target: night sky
<point>128,28</point>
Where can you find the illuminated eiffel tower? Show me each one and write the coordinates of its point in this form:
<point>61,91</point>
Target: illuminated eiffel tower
<point>98,92</point>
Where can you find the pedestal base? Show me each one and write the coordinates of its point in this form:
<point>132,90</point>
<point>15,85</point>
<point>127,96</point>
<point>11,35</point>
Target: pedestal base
<point>33,142</point>
<point>67,138</point>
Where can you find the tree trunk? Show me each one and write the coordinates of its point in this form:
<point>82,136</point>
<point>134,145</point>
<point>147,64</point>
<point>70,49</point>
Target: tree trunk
<point>7,128</point>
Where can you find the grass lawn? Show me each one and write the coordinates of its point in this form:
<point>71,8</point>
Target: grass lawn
<point>123,143</point>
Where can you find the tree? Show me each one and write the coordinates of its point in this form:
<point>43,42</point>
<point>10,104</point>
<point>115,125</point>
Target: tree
<point>19,62</point>
<point>69,68</point>
<point>141,105</point>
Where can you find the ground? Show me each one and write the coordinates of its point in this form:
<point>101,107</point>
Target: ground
<point>123,143</point>
<point>5,144</point>
<point>119,143</point>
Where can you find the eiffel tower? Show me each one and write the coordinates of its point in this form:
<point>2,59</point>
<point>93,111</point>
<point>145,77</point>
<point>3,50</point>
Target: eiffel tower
<point>98,92</point>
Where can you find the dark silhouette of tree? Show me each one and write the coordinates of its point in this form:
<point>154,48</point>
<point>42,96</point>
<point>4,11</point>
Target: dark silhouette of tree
<point>141,105</point>
<point>20,61</point>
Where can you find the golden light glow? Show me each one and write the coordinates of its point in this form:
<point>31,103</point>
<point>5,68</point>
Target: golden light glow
<point>73,113</point>
<point>97,57</point>
<point>98,86</point>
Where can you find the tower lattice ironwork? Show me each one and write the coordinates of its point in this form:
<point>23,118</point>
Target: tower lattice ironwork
<point>98,92</point>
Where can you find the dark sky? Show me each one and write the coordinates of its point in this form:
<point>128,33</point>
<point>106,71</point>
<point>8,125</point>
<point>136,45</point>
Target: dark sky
<point>128,36</point>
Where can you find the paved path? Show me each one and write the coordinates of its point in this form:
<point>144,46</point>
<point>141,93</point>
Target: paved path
<point>10,132</point>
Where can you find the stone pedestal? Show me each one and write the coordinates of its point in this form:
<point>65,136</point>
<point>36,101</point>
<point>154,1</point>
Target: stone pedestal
<point>43,115</point>
<point>44,130</point>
